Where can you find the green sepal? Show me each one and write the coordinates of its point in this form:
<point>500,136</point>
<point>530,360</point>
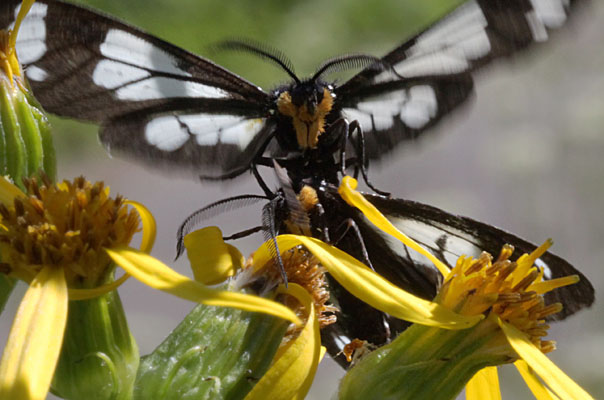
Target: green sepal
<point>424,363</point>
<point>99,358</point>
<point>214,353</point>
<point>49,159</point>
<point>12,147</point>
<point>25,142</point>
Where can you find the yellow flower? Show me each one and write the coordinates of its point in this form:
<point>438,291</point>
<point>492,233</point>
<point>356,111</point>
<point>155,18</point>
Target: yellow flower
<point>62,239</point>
<point>294,366</point>
<point>510,294</point>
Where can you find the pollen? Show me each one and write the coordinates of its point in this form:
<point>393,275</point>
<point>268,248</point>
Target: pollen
<point>66,225</point>
<point>509,289</point>
<point>304,269</point>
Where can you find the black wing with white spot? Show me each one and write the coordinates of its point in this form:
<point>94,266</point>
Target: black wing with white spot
<point>448,237</point>
<point>153,100</point>
<point>431,74</point>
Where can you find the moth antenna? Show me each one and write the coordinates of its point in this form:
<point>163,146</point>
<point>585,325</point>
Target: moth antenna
<point>349,61</point>
<point>259,50</point>
<point>270,235</point>
<point>210,211</point>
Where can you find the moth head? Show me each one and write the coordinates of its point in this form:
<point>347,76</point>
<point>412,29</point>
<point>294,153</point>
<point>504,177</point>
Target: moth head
<point>307,104</point>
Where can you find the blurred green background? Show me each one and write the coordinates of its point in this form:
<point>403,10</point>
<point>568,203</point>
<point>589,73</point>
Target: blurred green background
<point>527,156</point>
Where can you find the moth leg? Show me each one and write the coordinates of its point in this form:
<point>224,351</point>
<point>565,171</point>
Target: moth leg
<point>324,228</point>
<point>339,129</point>
<point>269,193</point>
<point>358,153</point>
<point>345,135</point>
<point>360,150</point>
<point>243,233</point>
<point>350,225</point>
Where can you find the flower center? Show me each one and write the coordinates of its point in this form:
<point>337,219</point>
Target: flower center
<point>66,225</point>
<point>304,269</point>
<point>505,288</point>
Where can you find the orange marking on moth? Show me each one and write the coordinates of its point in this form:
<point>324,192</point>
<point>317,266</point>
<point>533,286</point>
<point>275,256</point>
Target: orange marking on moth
<point>308,125</point>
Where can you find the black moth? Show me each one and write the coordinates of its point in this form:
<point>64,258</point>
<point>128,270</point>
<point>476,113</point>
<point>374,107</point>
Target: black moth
<point>167,107</point>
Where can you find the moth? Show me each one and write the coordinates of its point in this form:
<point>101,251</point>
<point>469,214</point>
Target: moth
<point>171,109</point>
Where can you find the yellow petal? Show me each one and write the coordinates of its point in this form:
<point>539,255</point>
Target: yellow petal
<point>370,287</point>
<point>8,192</point>
<point>554,377</point>
<point>85,294</point>
<point>236,256</point>
<point>212,260</point>
<point>484,385</point>
<point>552,284</point>
<point>158,275</point>
<point>25,6</point>
<point>356,199</point>
<point>35,339</point>
<point>293,370</point>
<point>532,381</point>
<point>149,226</point>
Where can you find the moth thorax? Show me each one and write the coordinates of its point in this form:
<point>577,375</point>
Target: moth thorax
<point>308,198</point>
<point>308,118</point>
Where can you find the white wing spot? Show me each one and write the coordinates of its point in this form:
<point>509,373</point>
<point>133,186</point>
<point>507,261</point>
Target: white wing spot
<point>31,40</point>
<point>455,29</point>
<point>169,133</point>
<point>162,87</point>
<point>537,27</point>
<point>36,74</point>
<point>448,47</point>
<point>432,64</point>
<point>112,74</point>
<point>547,272</point>
<point>420,108</point>
<point>415,107</point>
<point>457,242</point>
<point>210,130</point>
<point>352,114</point>
<point>552,13</point>
<point>123,46</point>
<point>166,133</point>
